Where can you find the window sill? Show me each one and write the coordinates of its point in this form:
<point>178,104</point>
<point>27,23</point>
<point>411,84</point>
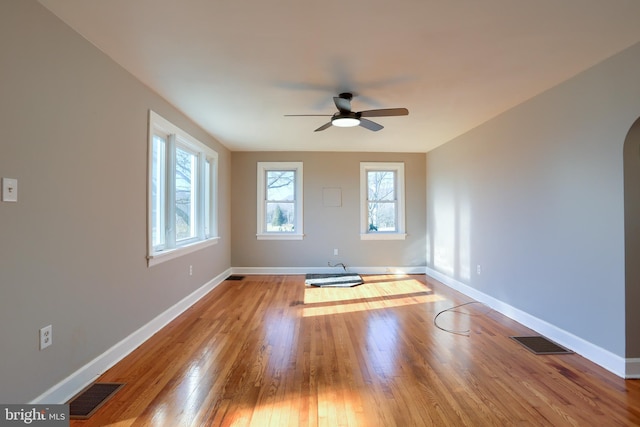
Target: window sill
<point>160,257</point>
<point>383,236</point>
<point>279,236</point>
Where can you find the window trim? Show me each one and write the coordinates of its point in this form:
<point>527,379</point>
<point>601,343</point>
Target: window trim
<point>176,137</point>
<point>261,232</point>
<point>398,168</point>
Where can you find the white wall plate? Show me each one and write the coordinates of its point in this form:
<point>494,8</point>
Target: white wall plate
<point>9,190</point>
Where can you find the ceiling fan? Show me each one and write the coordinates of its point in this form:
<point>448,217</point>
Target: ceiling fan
<point>347,118</point>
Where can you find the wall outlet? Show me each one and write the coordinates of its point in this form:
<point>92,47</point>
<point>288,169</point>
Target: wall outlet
<point>335,252</point>
<point>479,269</point>
<point>191,270</point>
<point>46,337</point>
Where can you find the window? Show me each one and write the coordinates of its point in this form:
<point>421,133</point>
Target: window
<point>182,192</point>
<point>382,201</point>
<point>279,201</point>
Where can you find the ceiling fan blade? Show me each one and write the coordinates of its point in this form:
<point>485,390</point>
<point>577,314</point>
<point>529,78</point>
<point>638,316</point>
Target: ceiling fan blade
<point>368,124</point>
<point>384,112</point>
<point>323,127</point>
<point>343,104</point>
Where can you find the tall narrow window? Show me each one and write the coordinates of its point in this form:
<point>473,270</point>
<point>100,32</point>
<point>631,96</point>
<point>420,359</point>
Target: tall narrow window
<point>382,201</point>
<point>186,180</point>
<point>208,196</point>
<point>182,192</point>
<point>157,188</point>
<point>279,200</point>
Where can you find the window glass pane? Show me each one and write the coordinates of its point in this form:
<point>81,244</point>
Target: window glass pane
<point>381,185</point>
<point>382,216</point>
<point>280,217</point>
<point>207,198</point>
<point>157,187</point>
<point>185,194</point>
<point>280,185</point>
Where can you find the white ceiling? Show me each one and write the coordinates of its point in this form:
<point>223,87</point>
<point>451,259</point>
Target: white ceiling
<point>236,67</point>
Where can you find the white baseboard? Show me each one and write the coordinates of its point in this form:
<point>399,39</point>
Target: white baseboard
<point>70,386</point>
<point>328,270</point>
<point>625,368</point>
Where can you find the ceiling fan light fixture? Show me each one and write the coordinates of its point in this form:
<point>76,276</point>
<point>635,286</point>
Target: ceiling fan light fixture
<point>345,122</point>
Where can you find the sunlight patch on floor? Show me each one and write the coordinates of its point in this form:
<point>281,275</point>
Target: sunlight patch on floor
<point>124,423</point>
<point>335,405</point>
<point>374,294</point>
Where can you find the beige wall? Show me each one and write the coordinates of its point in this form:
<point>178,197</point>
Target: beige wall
<point>72,250</point>
<point>326,228</point>
<point>535,196</point>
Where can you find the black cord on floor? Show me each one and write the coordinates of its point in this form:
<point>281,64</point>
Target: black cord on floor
<point>463,333</point>
<point>343,266</point>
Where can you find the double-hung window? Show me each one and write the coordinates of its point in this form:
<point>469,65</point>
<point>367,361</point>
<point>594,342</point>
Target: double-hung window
<point>279,201</point>
<point>182,192</point>
<point>382,201</point>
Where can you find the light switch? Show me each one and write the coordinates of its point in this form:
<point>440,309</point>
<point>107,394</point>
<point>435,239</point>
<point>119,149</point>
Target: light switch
<point>9,190</point>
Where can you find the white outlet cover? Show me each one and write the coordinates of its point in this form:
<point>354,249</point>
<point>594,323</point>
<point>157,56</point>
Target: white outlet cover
<point>9,190</point>
<point>46,337</point>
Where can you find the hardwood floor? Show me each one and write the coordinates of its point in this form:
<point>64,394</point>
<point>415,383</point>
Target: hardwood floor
<point>268,351</point>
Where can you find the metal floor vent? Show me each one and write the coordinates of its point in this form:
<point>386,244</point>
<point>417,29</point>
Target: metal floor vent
<point>541,345</point>
<point>234,277</point>
<point>88,401</point>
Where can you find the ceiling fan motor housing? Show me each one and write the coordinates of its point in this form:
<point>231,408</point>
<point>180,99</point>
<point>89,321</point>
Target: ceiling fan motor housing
<point>345,119</point>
